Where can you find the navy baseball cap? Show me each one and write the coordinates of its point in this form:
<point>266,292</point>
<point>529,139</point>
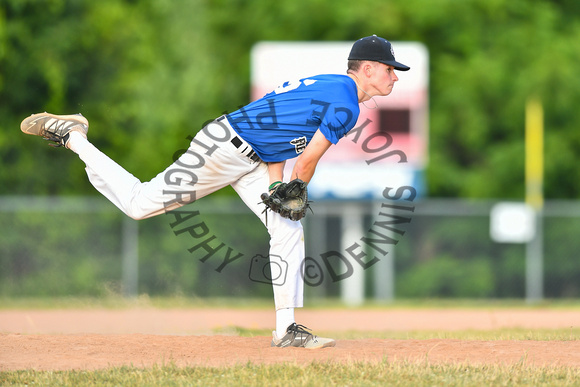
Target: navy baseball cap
<point>375,49</point>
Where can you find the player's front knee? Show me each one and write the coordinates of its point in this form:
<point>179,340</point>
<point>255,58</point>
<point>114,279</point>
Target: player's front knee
<point>286,229</point>
<point>136,213</point>
<point>134,216</point>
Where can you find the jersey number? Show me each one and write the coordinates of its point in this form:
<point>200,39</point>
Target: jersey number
<point>292,85</point>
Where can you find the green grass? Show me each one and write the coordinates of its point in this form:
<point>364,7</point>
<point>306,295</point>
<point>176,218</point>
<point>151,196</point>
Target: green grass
<point>115,301</point>
<point>143,301</point>
<point>564,334</point>
<point>387,372</point>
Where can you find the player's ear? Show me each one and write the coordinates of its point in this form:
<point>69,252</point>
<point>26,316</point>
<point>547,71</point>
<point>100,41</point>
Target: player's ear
<point>368,69</point>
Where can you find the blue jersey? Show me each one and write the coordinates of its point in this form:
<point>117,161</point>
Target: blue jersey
<point>279,125</point>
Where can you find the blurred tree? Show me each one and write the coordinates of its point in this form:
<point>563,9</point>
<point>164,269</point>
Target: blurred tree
<point>148,73</point>
<point>487,58</point>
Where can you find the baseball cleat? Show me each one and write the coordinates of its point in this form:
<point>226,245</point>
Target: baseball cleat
<point>300,336</point>
<point>55,128</point>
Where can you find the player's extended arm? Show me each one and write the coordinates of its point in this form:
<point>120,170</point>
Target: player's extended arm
<point>276,172</point>
<point>307,161</point>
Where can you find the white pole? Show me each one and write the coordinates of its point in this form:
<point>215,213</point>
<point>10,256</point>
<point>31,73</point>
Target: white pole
<point>353,287</point>
<point>384,270</point>
<point>130,257</point>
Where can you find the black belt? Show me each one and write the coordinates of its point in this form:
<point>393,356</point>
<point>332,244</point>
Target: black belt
<point>238,142</point>
<point>252,155</point>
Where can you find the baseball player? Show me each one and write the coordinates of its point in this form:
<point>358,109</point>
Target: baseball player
<point>247,149</point>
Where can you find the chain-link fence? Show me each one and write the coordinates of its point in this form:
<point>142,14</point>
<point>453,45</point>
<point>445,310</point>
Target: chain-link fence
<point>432,248</point>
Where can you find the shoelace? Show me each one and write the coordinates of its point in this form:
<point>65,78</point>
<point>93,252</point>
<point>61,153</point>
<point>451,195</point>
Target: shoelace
<point>50,131</point>
<point>298,329</point>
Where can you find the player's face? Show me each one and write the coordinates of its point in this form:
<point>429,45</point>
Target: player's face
<point>383,79</point>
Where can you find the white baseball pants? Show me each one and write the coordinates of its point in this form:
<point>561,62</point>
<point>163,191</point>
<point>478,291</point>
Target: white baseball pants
<point>211,162</point>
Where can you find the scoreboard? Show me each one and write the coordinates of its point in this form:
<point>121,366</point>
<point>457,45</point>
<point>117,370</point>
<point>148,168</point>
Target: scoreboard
<point>388,147</point>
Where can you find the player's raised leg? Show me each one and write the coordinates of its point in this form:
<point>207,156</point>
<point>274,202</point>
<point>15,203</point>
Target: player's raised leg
<point>189,178</point>
<point>55,128</point>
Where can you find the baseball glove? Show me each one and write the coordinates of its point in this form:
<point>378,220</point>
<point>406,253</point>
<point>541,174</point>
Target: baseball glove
<point>290,200</point>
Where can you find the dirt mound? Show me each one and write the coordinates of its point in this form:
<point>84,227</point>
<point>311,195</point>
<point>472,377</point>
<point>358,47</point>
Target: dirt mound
<point>95,339</point>
<point>96,351</point>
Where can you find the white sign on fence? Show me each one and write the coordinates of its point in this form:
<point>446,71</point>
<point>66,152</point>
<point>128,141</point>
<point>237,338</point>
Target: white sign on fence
<point>512,223</point>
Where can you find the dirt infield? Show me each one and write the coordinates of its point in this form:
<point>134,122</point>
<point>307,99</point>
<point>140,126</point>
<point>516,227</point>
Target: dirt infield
<point>94,339</point>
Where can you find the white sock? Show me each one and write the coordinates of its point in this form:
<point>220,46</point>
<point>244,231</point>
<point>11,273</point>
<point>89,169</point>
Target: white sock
<point>284,318</point>
<point>75,141</point>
